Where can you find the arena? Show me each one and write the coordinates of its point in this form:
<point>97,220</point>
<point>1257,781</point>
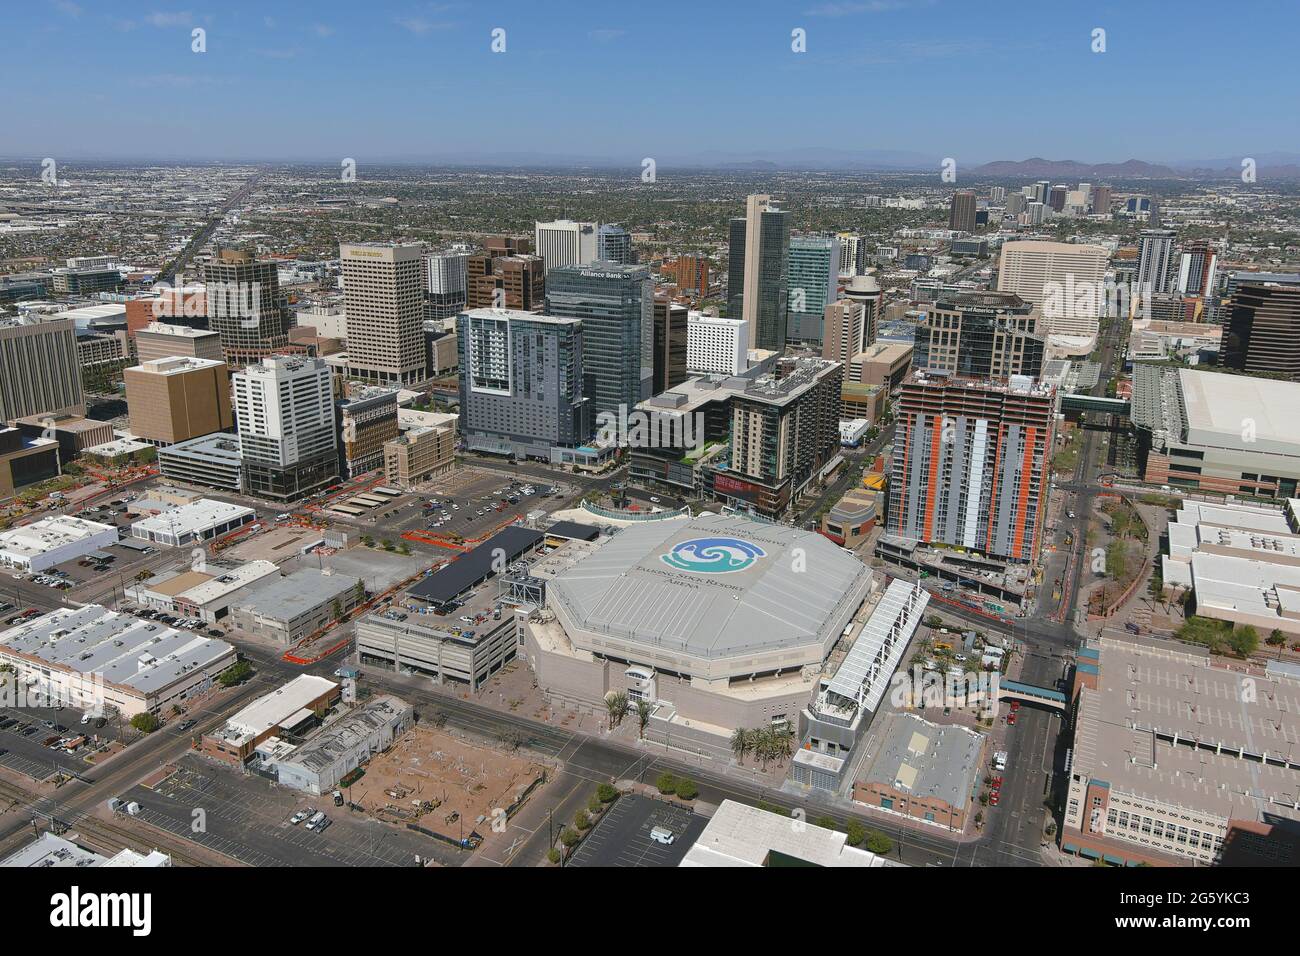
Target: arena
<point>717,621</point>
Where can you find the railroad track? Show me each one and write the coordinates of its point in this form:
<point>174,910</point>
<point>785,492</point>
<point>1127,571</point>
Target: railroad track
<point>103,835</point>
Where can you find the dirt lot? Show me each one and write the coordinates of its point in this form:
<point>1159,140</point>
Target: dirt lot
<point>430,767</point>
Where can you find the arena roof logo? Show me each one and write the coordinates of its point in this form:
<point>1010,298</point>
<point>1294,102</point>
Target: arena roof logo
<point>713,555</point>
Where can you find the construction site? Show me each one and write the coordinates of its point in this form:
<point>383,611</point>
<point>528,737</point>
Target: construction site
<point>444,786</point>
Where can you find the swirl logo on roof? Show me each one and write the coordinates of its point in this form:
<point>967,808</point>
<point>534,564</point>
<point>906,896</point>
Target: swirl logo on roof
<point>713,555</point>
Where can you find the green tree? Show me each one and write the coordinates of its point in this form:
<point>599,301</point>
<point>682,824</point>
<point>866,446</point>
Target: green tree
<point>582,820</point>
<point>742,742</point>
<point>607,793</point>
<point>336,610</point>
<point>553,855</point>
<point>1276,638</point>
<point>570,837</point>
<point>236,673</point>
<point>1244,640</point>
<point>687,790</point>
<point>643,711</point>
<point>616,705</point>
<point>826,823</point>
<point>666,783</point>
<point>146,722</point>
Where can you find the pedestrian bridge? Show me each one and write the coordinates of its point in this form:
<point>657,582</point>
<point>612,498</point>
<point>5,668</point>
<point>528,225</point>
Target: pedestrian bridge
<point>1094,403</point>
<point>1031,694</point>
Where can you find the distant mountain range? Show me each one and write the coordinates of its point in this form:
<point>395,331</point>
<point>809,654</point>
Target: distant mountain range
<point>1068,170</point>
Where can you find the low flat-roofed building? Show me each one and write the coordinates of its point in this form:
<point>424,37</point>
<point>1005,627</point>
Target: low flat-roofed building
<point>418,454</point>
<point>237,739</point>
<point>443,646</point>
<point>883,364</point>
<point>205,593</point>
<point>25,461</point>
<point>199,520</point>
<point>850,520</point>
<point>90,657</point>
<point>1213,431</point>
<point>344,745</point>
<point>1241,561</point>
<point>287,609</point>
<point>73,433</point>
<point>211,460</point>
<point>1180,760</point>
<point>740,835</point>
<point>924,771</point>
<point>49,850</point>
<point>52,540</point>
<point>160,340</point>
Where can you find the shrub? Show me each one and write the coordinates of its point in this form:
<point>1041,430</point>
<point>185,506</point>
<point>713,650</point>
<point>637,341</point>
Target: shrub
<point>666,783</point>
<point>553,855</point>
<point>581,820</point>
<point>607,793</point>
<point>687,790</point>
<point>856,833</point>
<point>570,837</point>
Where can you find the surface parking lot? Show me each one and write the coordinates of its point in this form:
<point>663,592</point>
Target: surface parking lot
<point>622,838</point>
<point>246,817</point>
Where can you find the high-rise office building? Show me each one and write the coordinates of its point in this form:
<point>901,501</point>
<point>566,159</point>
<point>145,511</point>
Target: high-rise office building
<point>614,244</point>
<point>39,369</point>
<point>854,256</point>
<point>716,345</point>
<point>383,293</point>
<point>813,272</point>
<point>245,305</point>
<point>971,463</point>
<point>506,276</point>
<point>1040,191</point>
<point>446,282</point>
<point>865,289</point>
<point>616,306</point>
<point>521,383</point>
<point>1101,196</point>
<point>288,440</point>
<point>367,420</point>
<point>961,214</point>
<point>1197,266</point>
<point>1015,204</point>
<point>1261,329</point>
<point>844,330</point>
<point>784,430</point>
<point>979,335</point>
<point>1056,198</point>
<point>1155,260</point>
<point>565,243</point>
<point>670,345</point>
<point>689,273</point>
<point>175,399</point>
<point>1063,282</point>
<point>757,272</point>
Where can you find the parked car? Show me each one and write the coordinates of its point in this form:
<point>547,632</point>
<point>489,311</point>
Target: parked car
<point>298,817</point>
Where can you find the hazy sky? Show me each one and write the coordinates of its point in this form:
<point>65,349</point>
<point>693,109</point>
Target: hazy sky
<point>376,80</point>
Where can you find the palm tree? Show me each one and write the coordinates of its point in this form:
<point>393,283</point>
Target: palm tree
<point>616,705</point>
<point>764,745</point>
<point>741,741</point>
<point>643,711</point>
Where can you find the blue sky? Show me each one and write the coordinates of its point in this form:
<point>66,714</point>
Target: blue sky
<point>418,81</point>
